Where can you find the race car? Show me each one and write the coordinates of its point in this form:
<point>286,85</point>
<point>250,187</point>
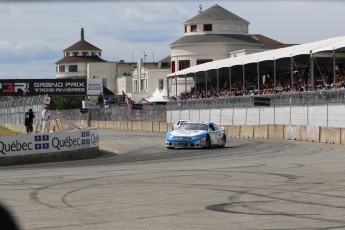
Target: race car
<point>196,134</point>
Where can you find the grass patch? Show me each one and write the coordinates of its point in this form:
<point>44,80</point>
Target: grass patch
<point>7,132</point>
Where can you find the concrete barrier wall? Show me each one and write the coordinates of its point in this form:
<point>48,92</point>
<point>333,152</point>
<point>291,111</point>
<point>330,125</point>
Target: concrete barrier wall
<point>330,135</point>
<point>155,126</point>
<point>147,126</point>
<point>233,131</point>
<point>109,124</point>
<point>247,131</point>
<point>276,131</point>
<point>129,125</point>
<point>342,136</point>
<point>310,133</point>
<point>261,131</point>
<point>163,128</point>
<point>292,132</point>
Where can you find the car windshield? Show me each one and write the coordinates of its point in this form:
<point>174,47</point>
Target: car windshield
<point>193,126</point>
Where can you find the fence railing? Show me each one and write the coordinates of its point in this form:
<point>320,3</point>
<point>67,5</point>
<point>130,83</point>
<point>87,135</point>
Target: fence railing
<point>12,110</point>
<point>280,99</point>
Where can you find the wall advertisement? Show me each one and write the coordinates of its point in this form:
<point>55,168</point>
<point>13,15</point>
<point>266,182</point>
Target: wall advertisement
<point>38,143</point>
<point>64,87</point>
<point>94,86</point>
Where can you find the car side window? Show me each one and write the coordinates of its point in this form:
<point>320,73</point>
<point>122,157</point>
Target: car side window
<point>212,127</point>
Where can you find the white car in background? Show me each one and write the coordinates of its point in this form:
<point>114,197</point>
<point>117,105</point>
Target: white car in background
<point>178,124</point>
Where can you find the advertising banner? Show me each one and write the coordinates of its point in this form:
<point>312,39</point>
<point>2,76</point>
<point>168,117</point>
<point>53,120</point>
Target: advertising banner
<point>32,87</point>
<point>48,142</point>
<point>94,86</point>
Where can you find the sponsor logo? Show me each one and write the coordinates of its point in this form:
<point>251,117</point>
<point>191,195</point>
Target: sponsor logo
<point>41,141</point>
<point>14,87</point>
<point>15,146</point>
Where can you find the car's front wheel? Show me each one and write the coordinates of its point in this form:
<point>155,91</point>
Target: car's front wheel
<point>208,142</point>
<point>223,141</point>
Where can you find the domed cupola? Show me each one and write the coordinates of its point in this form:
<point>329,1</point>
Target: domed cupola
<point>76,57</point>
<point>216,20</point>
<point>82,48</point>
<point>211,35</point>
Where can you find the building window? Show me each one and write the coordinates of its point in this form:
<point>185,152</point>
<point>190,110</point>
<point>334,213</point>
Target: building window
<point>165,64</point>
<point>85,53</point>
<point>142,85</point>
<point>192,28</point>
<point>183,64</point>
<point>201,61</point>
<point>61,68</point>
<point>75,54</point>
<point>207,27</point>
<point>173,66</point>
<point>135,86</point>
<point>72,68</point>
<point>160,84</point>
<point>185,29</point>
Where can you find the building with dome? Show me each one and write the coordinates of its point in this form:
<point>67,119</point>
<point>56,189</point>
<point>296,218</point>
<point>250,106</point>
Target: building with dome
<point>211,35</point>
<point>83,60</point>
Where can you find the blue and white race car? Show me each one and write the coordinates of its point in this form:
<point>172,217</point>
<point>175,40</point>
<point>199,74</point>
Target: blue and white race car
<point>196,134</point>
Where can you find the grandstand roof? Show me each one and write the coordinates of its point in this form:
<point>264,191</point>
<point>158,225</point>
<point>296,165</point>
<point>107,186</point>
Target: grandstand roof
<point>337,44</point>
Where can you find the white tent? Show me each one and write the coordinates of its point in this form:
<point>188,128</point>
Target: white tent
<point>159,96</point>
<point>336,44</point>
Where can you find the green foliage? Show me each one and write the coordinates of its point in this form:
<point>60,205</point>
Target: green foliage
<point>66,102</point>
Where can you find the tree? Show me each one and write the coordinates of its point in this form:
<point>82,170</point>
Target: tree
<point>66,102</point>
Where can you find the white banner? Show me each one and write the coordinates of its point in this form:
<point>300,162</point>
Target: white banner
<point>94,86</point>
<point>48,142</point>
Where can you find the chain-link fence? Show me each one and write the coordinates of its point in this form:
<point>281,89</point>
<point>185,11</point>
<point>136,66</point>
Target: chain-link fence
<point>12,110</point>
<point>114,113</point>
<point>281,99</point>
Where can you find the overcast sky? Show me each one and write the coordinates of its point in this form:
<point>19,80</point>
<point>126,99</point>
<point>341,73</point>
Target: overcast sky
<point>35,33</point>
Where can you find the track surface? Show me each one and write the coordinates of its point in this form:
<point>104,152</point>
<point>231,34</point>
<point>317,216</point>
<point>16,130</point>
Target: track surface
<point>249,184</point>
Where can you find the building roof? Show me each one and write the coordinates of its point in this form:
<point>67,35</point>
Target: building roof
<point>74,59</point>
<point>217,38</point>
<point>166,59</point>
<point>270,43</point>
<point>216,13</point>
<point>82,45</point>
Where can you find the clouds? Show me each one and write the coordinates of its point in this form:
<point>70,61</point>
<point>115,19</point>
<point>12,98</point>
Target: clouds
<point>34,34</point>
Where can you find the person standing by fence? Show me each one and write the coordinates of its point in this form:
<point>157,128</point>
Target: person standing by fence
<point>45,120</point>
<point>29,120</point>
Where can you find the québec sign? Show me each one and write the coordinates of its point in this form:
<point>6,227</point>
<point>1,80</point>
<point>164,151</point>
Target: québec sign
<point>48,142</point>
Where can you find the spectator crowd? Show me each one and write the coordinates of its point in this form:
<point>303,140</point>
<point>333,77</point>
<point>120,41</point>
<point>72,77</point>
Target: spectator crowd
<point>284,84</point>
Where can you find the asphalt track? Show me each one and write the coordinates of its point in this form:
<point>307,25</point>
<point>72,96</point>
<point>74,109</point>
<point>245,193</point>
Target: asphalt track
<point>139,184</point>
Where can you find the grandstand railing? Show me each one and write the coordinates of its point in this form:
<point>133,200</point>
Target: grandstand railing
<point>280,99</point>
